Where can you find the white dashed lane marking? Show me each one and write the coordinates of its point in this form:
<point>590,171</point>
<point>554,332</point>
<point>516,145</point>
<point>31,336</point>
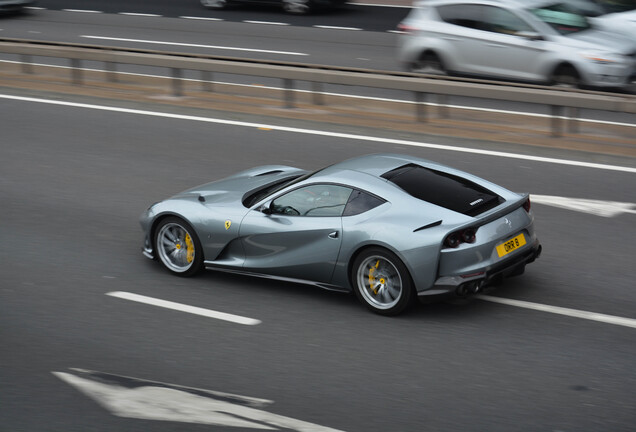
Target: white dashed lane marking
<point>266,22</point>
<point>575,313</point>
<point>184,308</point>
<point>336,27</point>
<point>82,11</point>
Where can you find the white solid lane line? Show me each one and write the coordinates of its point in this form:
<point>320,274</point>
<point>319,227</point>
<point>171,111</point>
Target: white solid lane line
<point>184,308</point>
<point>450,148</point>
<point>192,45</point>
<point>575,313</point>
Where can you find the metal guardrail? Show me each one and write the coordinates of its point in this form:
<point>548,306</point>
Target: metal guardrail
<point>419,85</point>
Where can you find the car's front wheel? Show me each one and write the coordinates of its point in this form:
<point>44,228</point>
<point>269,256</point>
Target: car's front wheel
<point>566,76</point>
<point>178,247</point>
<point>381,281</point>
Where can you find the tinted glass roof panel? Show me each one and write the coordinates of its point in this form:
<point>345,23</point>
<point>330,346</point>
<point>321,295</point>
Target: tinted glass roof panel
<point>443,189</point>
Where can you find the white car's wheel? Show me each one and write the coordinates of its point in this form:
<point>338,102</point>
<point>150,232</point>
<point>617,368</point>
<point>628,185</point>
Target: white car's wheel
<point>178,247</point>
<point>429,63</point>
<point>381,281</point>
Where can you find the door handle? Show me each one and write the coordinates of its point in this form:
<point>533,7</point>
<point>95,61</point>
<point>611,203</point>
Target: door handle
<point>333,234</point>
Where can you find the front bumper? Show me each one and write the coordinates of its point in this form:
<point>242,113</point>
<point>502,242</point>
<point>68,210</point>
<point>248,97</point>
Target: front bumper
<point>465,285</point>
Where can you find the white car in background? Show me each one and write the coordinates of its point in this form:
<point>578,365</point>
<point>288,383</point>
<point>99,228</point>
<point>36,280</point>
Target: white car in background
<point>544,41</point>
<point>614,16</point>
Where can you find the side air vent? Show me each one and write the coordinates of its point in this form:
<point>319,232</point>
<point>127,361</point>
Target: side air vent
<point>268,173</point>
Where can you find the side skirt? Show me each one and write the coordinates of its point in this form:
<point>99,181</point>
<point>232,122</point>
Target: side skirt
<point>211,266</point>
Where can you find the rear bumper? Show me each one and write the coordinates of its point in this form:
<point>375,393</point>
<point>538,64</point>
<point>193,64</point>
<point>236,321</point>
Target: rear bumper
<point>466,285</point>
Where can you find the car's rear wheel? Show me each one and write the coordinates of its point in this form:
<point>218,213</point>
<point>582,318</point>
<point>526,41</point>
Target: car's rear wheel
<point>429,63</point>
<point>178,247</point>
<point>381,281</point>
<point>297,7</point>
<point>214,4</point>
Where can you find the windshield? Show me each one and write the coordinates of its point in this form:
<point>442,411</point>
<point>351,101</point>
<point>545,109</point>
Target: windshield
<point>611,6</point>
<point>594,8</point>
<point>562,17</point>
<point>255,196</point>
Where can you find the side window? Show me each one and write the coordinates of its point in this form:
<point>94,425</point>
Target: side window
<point>464,15</point>
<point>500,20</point>
<point>359,202</point>
<point>315,200</point>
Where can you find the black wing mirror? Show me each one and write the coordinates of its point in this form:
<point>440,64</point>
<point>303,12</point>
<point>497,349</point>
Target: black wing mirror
<point>266,208</point>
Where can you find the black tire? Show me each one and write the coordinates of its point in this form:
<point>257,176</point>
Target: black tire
<point>178,247</point>
<point>429,63</point>
<point>381,281</point>
<point>566,76</point>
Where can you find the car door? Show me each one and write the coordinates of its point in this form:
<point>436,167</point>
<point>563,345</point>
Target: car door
<point>489,41</point>
<point>512,47</point>
<point>296,235</point>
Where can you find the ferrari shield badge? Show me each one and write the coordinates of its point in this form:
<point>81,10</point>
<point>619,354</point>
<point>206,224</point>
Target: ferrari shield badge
<point>228,224</point>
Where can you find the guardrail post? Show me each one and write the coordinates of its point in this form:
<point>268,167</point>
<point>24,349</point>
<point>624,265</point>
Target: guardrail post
<point>289,92</point>
<point>555,120</point>
<point>27,63</point>
<point>76,71</point>
<point>111,74</point>
<point>573,120</point>
<point>442,105</point>
<point>206,80</point>
<point>316,90</point>
<point>177,84</point>
<point>420,106</point>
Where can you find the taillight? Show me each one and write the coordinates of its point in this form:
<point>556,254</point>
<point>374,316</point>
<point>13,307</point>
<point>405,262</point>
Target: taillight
<point>526,205</point>
<point>467,235</point>
<point>453,240</point>
<point>405,28</point>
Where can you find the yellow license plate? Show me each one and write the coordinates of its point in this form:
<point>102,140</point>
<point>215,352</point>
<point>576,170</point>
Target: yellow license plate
<point>511,245</point>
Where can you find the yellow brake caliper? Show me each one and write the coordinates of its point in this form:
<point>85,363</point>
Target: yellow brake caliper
<point>372,278</point>
<point>189,248</point>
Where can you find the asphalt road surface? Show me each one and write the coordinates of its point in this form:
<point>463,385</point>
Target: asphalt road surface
<point>73,182</point>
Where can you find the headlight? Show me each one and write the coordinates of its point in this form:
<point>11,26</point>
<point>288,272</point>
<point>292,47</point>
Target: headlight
<point>601,57</point>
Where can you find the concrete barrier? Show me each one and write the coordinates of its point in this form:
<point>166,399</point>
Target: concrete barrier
<point>419,85</point>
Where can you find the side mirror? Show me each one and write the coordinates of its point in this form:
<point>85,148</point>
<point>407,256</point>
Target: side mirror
<point>533,36</point>
<point>266,208</point>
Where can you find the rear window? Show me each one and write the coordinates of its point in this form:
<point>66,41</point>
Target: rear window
<point>443,189</point>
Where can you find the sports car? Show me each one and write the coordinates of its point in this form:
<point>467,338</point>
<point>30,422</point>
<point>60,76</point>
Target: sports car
<point>390,228</point>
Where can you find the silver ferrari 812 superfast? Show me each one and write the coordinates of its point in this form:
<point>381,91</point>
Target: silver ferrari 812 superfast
<point>390,228</point>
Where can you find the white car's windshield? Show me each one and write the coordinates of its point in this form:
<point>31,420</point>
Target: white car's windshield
<point>611,6</point>
<point>562,17</point>
<point>595,8</point>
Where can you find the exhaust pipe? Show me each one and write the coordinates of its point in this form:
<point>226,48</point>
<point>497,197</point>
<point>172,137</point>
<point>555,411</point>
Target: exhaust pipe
<point>469,288</point>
